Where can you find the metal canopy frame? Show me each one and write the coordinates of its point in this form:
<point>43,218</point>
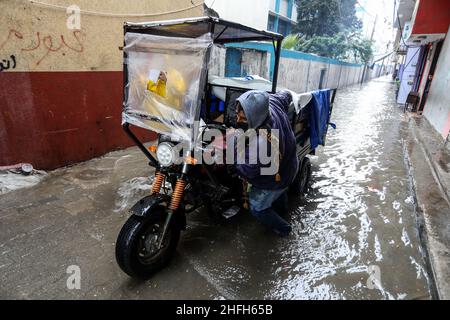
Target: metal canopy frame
<point>223,31</point>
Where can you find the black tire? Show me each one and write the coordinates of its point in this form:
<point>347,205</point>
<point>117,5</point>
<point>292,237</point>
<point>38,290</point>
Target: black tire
<point>133,241</point>
<point>300,185</point>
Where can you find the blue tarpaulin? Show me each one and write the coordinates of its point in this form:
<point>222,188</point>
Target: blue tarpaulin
<point>320,113</point>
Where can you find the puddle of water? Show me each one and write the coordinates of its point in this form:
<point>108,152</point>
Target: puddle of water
<point>12,180</point>
<point>90,174</point>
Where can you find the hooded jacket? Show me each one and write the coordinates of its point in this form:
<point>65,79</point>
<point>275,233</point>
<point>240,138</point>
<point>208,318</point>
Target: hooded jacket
<point>270,111</point>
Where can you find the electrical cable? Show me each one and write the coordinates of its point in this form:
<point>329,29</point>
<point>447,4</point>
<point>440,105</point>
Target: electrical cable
<point>383,57</point>
<point>105,14</point>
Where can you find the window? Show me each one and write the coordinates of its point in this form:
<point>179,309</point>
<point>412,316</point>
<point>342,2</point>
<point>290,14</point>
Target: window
<point>283,27</point>
<point>271,23</point>
<point>284,5</point>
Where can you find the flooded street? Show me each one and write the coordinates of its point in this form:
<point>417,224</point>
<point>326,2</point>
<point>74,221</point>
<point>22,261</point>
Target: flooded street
<point>354,235</point>
<point>359,218</point>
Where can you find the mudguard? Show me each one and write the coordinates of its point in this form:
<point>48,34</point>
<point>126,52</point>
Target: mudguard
<point>145,206</point>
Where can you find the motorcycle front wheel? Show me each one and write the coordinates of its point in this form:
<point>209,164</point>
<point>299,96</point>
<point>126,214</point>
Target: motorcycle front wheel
<point>137,250</point>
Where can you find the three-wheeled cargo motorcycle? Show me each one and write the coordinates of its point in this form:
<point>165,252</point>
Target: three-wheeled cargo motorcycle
<point>168,90</point>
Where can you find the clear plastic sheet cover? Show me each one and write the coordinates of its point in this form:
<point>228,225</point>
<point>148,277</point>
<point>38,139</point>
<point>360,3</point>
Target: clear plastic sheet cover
<point>164,79</point>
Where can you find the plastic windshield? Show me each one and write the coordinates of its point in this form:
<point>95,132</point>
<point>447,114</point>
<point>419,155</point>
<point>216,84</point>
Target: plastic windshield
<point>165,76</point>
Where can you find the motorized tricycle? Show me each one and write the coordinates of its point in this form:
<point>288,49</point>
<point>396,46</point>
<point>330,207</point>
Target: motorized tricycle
<point>168,90</point>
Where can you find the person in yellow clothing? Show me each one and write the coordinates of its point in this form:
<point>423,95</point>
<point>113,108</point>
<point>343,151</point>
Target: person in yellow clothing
<point>160,86</point>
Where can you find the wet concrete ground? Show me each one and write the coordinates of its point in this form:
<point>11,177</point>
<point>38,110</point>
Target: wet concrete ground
<point>355,235</point>
<point>429,160</point>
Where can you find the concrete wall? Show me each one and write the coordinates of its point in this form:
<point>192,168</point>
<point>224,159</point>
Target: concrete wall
<point>255,62</point>
<point>299,71</point>
<point>40,39</point>
<point>437,106</point>
<point>252,62</point>
<point>334,73</point>
<point>217,61</point>
<point>292,72</point>
<point>61,101</point>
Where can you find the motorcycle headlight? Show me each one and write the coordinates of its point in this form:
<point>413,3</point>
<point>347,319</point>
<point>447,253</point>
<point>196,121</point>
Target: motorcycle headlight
<point>165,154</point>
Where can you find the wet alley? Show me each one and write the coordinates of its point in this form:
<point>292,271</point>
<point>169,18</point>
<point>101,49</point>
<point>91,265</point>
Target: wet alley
<point>355,235</point>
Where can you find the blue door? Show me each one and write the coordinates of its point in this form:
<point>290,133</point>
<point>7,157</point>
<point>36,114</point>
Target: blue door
<point>233,60</point>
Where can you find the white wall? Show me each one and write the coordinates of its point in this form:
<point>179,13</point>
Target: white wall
<point>272,5</point>
<point>253,13</point>
<point>295,74</point>
<point>437,107</point>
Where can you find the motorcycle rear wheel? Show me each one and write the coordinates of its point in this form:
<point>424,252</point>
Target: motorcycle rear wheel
<point>300,185</point>
<point>137,253</point>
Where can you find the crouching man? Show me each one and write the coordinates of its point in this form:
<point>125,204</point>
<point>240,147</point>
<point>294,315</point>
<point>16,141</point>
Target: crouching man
<point>268,192</point>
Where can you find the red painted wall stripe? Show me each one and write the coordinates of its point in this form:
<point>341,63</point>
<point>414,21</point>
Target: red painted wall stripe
<point>52,119</point>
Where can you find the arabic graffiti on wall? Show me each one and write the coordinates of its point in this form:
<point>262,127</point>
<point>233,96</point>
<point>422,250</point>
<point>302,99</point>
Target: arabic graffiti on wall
<point>44,43</point>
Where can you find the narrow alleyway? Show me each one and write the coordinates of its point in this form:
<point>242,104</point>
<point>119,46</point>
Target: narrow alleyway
<point>355,235</point>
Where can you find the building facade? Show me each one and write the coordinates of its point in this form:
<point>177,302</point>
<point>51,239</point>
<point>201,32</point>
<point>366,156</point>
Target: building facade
<point>252,13</point>
<point>282,16</point>
<point>273,15</point>
<point>423,46</point>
